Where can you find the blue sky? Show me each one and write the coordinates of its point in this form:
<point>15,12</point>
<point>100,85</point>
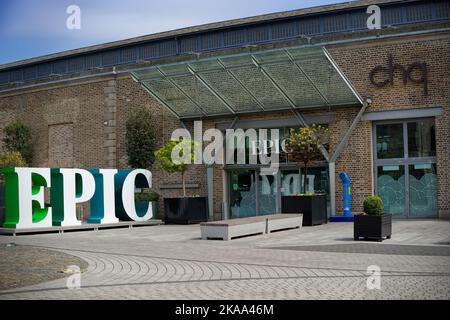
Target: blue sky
<point>30,28</point>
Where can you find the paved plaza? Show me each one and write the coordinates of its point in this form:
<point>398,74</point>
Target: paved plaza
<point>322,262</point>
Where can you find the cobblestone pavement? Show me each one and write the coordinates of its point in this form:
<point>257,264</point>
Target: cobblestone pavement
<point>24,265</point>
<point>171,262</point>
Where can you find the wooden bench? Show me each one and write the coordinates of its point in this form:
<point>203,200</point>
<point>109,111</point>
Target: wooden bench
<point>228,229</point>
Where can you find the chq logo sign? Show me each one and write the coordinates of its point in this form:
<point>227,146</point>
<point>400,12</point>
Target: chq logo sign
<point>111,195</point>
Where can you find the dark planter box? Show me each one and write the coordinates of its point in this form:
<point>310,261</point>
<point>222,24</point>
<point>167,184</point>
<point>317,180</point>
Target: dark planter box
<point>185,210</point>
<point>370,226</point>
<point>313,208</point>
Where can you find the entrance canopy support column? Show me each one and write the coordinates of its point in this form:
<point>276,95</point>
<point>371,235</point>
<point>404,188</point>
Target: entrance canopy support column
<point>225,204</point>
<point>337,153</point>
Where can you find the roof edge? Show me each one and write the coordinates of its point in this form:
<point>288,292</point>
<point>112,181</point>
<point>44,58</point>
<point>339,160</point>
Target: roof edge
<point>201,28</point>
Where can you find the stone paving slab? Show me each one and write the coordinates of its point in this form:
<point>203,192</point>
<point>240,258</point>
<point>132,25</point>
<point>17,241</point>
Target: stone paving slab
<point>24,265</point>
<point>391,249</point>
<point>171,262</point>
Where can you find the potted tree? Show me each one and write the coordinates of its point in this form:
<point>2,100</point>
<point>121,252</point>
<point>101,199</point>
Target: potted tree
<point>373,222</point>
<point>8,159</point>
<point>184,210</point>
<point>303,147</point>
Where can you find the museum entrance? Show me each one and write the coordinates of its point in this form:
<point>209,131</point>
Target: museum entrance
<point>252,193</point>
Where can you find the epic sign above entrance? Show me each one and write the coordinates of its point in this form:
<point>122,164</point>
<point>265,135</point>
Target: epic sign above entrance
<point>111,195</point>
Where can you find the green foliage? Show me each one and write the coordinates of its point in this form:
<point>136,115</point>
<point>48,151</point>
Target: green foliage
<point>146,196</point>
<point>180,148</point>
<point>10,159</point>
<point>373,206</point>
<point>164,155</point>
<point>303,145</point>
<point>140,139</point>
<point>18,138</point>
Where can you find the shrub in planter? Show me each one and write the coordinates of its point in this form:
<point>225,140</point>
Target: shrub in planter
<point>186,209</point>
<point>373,206</point>
<point>373,223</point>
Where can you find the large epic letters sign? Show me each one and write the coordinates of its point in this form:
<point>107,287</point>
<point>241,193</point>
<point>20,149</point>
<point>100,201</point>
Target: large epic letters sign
<point>111,196</point>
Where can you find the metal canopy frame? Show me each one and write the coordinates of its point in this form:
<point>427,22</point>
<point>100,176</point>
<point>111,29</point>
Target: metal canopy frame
<point>253,75</point>
<point>292,78</point>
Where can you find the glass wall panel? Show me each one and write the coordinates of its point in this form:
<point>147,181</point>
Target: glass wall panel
<point>290,182</point>
<point>242,194</point>
<point>389,139</point>
<point>422,190</point>
<point>268,194</point>
<point>391,189</point>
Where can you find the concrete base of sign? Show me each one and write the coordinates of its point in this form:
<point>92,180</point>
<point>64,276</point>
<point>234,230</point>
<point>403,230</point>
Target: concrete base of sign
<point>228,229</point>
<point>83,227</point>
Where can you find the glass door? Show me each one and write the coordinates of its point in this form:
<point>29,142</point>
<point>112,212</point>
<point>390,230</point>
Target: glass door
<point>405,167</point>
<point>268,195</point>
<point>242,193</point>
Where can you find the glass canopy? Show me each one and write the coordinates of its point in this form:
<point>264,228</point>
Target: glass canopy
<point>270,80</point>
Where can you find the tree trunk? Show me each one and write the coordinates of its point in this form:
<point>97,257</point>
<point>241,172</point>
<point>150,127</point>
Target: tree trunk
<point>184,184</point>
<point>305,178</point>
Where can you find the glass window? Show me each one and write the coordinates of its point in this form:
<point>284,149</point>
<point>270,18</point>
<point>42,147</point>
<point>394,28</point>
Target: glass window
<point>421,139</point>
<point>389,141</point>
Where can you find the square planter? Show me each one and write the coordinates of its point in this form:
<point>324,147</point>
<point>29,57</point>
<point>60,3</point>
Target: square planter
<point>185,210</point>
<point>371,226</point>
<point>313,208</point>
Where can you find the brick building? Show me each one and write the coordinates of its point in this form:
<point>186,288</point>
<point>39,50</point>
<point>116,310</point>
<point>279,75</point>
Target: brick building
<point>389,131</point>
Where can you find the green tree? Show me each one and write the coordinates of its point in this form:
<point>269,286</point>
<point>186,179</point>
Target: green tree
<point>140,139</point>
<point>18,138</point>
<point>303,146</point>
<point>182,149</point>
